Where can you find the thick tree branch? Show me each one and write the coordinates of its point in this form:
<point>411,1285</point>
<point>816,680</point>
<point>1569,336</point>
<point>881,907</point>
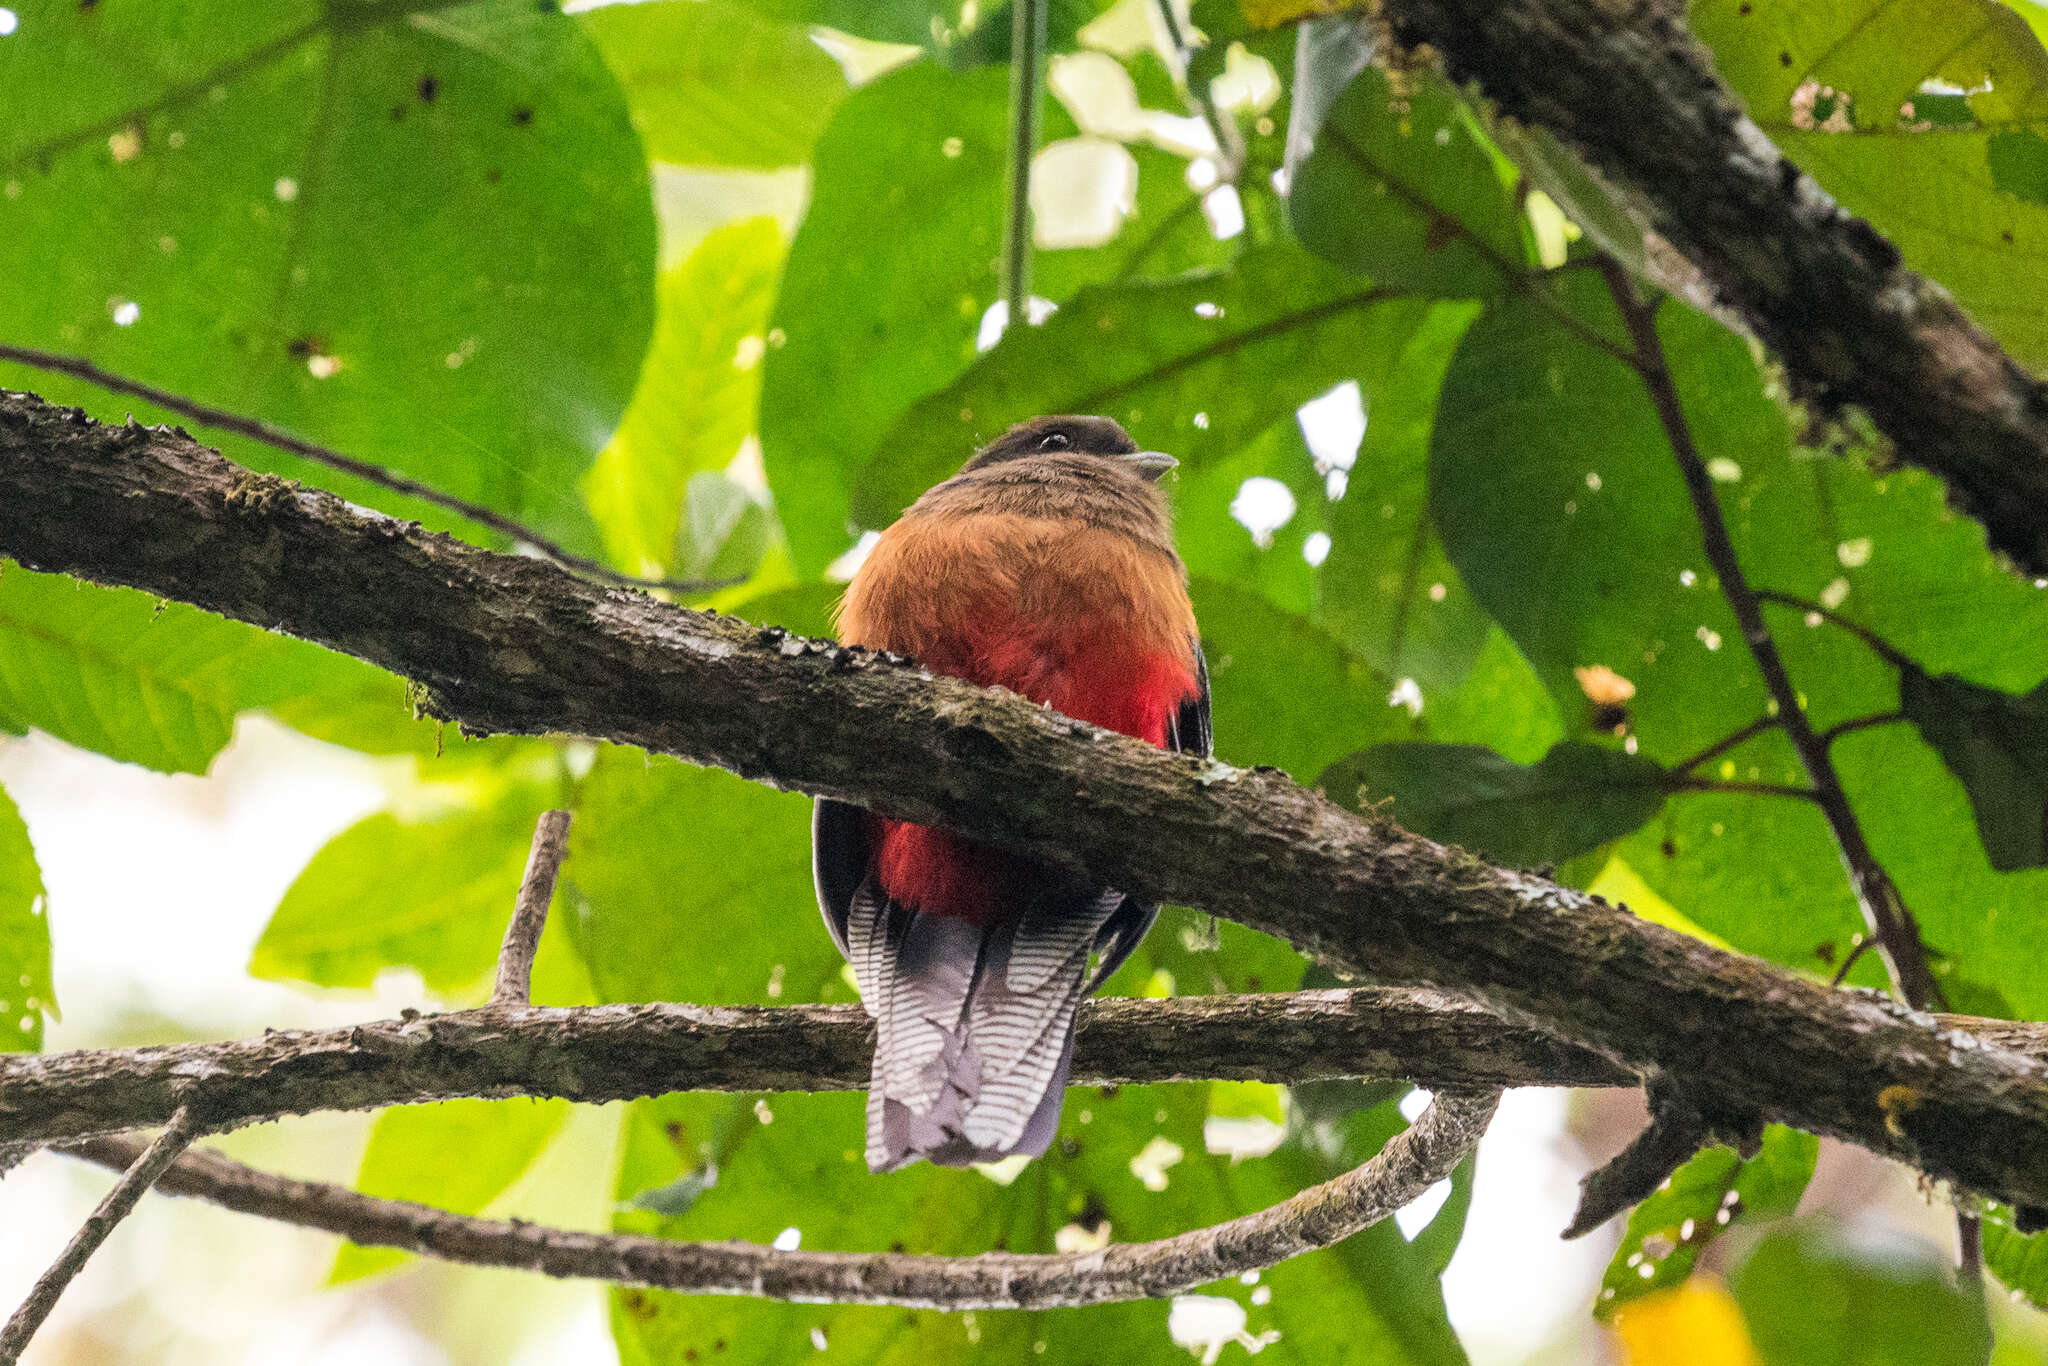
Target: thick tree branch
<point>1410,1164</point>
<point>501,643</point>
<point>1629,87</point>
<point>623,1052</point>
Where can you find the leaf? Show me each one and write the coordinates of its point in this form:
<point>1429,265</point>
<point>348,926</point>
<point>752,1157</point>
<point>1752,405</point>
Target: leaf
<point>1997,746</point>
<point>1917,115</point>
<point>912,168</point>
<point>724,532</point>
<point>456,1155</point>
<point>213,200</point>
<point>1815,1297</point>
<point>24,939</point>
<point>1196,366</point>
<point>1694,1324</point>
<point>1577,798</point>
<point>1283,692</point>
<point>125,675</point>
<point>1401,188</point>
<point>431,894</point>
<point>713,83</point>
<point>698,391</point>
<point>2019,1260</point>
<point>1705,1198</point>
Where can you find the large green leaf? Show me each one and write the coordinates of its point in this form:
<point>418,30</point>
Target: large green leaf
<point>696,399</point>
<point>1402,188</point>
<point>1924,116</point>
<point>457,1155</point>
<point>1196,366</point>
<point>1577,798</point>
<point>1701,1201</point>
<point>24,939</point>
<point>712,82</point>
<point>1585,548</point>
<point>1814,1296</point>
<point>128,676</point>
<point>447,202</point>
<point>431,894</point>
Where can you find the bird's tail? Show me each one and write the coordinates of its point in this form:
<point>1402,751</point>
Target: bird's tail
<point>975,1024</point>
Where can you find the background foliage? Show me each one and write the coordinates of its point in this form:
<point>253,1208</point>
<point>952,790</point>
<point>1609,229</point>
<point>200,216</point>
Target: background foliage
<point>705,287</point>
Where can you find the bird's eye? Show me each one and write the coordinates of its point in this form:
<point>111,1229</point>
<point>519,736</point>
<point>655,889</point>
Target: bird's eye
<point>1054,441</point>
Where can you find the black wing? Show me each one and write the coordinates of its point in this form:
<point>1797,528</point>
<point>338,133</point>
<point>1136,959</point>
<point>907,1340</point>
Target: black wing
<point>839,861</point>
<point>1187,732</point>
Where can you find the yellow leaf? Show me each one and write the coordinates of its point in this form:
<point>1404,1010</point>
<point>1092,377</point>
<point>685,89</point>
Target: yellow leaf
<point>1695,1324</point>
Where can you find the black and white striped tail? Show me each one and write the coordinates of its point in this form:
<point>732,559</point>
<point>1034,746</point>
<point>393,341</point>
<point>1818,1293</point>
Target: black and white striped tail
<point>975,1024</point>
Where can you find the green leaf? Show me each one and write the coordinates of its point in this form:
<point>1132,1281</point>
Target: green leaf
<point>29,992</point>
<point>697,395</point>
<point>1954,179</point>
<point>913,168</point>
<point>1197,366</point>
<point>128,676</point>
<point>456,1155</point>
<point>1577,798</point>
<point>661,909</point>
<point>431,894</point>
<point>1283,691</point>
<point>1812,1296</point>
<point>725,532</point>
<point>1401,188</point>
<point>711,82</point>
<point>1997,746</point>
<point>229,203</point>
<point>1702,1200</point>
<point>2019,1260</point>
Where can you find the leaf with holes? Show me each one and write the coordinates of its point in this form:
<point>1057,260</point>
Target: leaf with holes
<point>26,991</point>
<point>1578,797</point>
<point>1922,116</point>
<point>420,233</point>
<point>1704,1199</point>
<point>1997,746</point>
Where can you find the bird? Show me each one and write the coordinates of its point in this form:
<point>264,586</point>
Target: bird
<point>1047,567</point>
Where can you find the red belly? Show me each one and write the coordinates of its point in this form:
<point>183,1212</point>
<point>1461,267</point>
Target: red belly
<point>1095,677</point>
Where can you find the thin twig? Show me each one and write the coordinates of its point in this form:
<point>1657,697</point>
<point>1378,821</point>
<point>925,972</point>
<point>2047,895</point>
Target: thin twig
<point>1229,142</point>
<point>142,1173</point>
<point>1721,747</point>
<point>1408,1165</point>
<point>1027,81</point>
<point>530,913</point>
<point>1885,650</point>
<point>1884,910</point>
<point>278,439</point>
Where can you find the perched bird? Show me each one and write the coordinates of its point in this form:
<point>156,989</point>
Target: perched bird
<point>1046,566</point>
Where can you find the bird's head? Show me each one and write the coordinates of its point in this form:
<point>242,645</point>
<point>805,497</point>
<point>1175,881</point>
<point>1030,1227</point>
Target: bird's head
<point>1069,435</point>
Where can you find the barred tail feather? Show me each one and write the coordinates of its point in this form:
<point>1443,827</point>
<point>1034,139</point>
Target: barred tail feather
<point>974,1026</point>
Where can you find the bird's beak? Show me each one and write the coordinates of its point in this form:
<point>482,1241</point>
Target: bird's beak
<point>1151,464</point>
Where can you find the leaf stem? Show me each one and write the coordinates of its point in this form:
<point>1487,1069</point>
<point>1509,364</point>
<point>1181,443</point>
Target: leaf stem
<point>1721,747</point>
<point>1027,61</point>
<point>1856,723</point>
<point>1890,653</point>
<point>1885,911</point>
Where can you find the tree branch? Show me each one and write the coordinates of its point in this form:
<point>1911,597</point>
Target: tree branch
<point>1631,89</point>
<point>530,912</point>
<point>502,643</point>
<point>143,1171</point>
<point>1410,1164</point>
<point>623,1052</point>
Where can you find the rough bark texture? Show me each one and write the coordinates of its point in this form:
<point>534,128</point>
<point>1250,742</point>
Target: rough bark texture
<point>1410,1164</point>
<point>507,644</point>
<point>1629,87</point>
